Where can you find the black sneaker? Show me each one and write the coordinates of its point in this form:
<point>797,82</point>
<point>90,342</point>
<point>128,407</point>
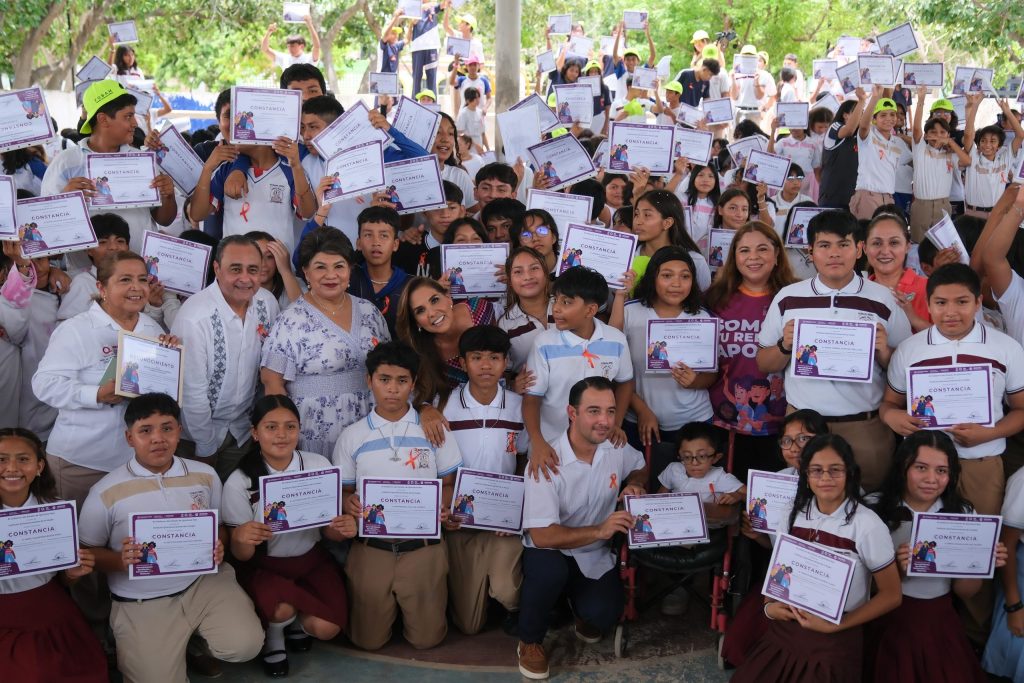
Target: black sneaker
<point>510,624</point>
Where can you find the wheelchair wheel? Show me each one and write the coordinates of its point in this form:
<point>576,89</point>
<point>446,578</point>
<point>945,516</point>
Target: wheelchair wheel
<point>621,641</point>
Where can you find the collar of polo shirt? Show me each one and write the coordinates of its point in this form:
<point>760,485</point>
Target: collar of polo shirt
<point>975,336</point>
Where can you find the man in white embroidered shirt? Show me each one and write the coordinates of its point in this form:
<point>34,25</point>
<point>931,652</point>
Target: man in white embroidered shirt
<point>222,329</point>
<point>568,520</point>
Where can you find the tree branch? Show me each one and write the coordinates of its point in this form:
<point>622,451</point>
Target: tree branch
<point>23,60</point>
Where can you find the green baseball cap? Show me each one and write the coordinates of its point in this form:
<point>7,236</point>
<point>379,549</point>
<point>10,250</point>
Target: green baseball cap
<point>711,52</point>
<point>943,104</point>
<point>674,86</point>
<point>427,92</point>
<point>96,96</point>
<point>592,65</point>
<point>884,104</point>
<point>633,108</point>
<point>552,100</point>
<point>629,52</point>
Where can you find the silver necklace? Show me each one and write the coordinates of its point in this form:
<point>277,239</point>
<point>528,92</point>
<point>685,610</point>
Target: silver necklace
<point>391,442</point>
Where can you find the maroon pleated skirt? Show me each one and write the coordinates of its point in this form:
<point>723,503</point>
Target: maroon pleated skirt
<point>788,653</point>
<point>44,638</point>
<point>311,583</point>
<point>745,629</point>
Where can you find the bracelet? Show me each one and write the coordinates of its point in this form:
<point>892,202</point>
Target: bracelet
<point>1015,607</point>
<point>783,349</point>
<point>766,615</point>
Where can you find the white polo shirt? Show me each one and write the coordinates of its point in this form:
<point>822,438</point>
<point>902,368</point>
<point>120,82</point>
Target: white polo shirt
<point>748,97</point>
<point>877,159</point>
<point>859,300</point>
<point>982,345</point>
<point>522,330</point>
<point>86,433</point>
<point>1011,305</point>
<point>986,179</point>
<point>933,171</point>
<point>717,480</point>
<point>131,488</point>
<point>580,495</point>
<point>781,209</point>
<point>222,352</point>
<point>343,214</point>
<point>672,404</point>
<point>559,359</point>
<point>20,584</point>
<point>375,447</point>
<point>238,506</point>
<point>864,539</point>
<point>489,436</point>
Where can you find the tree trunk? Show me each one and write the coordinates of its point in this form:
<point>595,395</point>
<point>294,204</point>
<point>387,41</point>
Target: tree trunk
<point>24,58</point>
<point>327,42</point>
<point>61,71</point>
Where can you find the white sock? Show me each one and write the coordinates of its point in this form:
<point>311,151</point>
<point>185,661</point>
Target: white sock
<point>275,640</point>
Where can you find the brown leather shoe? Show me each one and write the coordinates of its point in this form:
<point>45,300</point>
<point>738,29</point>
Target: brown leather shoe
<point>533,661</point>
<point>586,632</point>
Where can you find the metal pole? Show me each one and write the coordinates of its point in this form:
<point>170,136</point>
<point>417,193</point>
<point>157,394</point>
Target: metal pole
<point>507,48</point>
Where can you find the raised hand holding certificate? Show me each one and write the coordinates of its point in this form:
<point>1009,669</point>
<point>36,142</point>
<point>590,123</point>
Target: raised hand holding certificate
<point>463,47</point>
<point>944,234</point>
<point>545,61</point>
<point>174,543</point>
<point>800,217</point>
<point>293,501</point>
<point>519,128</point>
<point>824,69</point>
<point>54,225</point>
<point>547,118</point>
<point>579,46</point>
<point>560,24</point>
<point>792,114</point>
<point>827,101</point>
<point>717,110</point>
<point>563,160</point>
<point>414,185</point>
<point>94,70</point>
<point>24,119</point>
<point>898,41</point>
<point>179,265</point>
<point>953,546</point>
<point>609,252</point>
<point>849,77</point>
<point>770,169</point>
<point>839,350</point>
<point>740,150</point>
<point>178,160</point>
<point>876,69</point>
<point>351,128</point>
<point>809,577</point>
<point>123,32</point>
<point>691,341</point>
<point>8,219</point>
<point>719,243</point>
<point>146,366</point>
<point>384,83</point>
<point>400,508</point>
<point>355,171</point>
<point>471,268</point>
<point>261,115</point>
<point>769,495</point>
<point>416,122</point>
<point>948,395</point>
<point>662,519</point>
<point>634,21</point>
<point>638,145</point>
<point>43,538</point>
<point>918,74</point>
<point>645,78</point>
<point>295,12</point>
<point>564,208</point>
<point>574,103</point>
<point>487,500</point>
<point>123,181</point>
<point>688,116</point>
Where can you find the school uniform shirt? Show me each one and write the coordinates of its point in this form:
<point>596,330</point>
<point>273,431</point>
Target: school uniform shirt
<point>787,93</point>
<point>283,60</point>
<point>982,345</point>
<point>481,83</point>
<point>672,404</point>
<point>105,518</point>
<point>839,162</point>
<point>1011,305</point>
<point>459,176</point>
<point>559,359</point>
<point>20,584</point>
<point>860,300</point>
<point>717,480</point>
<point>986,180</point>
<point>864,539</point>
<point>748,97</point>
<point>86,433</point>
<point>238,506</point>
<point>933,172</point>
<point>222,354</point>
<point>580,495</point>
<point>919,587</point>
<point>522,330</point>
<point>805,153</point>
<point>904,169</point>
<point>702,218</point>
<point>15,297</point>
<point>694,89</point>
<point>876,162</point>
<point>489,436</point>
<point>271,204</point>
<point>375,447</point>
<point>781,207</point>
<point>471,123</point>
<point>719,86</point>
<point>80,296</point>
<point>389,56</point>
<point>42,321</point>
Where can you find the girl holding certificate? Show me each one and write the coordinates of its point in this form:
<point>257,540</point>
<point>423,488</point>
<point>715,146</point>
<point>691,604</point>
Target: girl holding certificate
<point>446,148</point>
<point>528,298</point>
<point>701,195</point>
<point>658,222</point>
<point>925,477</point>
<point>540,233</point>
<point>886,248</point>
<point>801,647</point>
<point>43,635</point>
<point>295,585</point>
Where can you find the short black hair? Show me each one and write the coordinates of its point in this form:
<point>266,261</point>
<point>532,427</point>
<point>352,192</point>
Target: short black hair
<point>596,382</point>
<point>693,431</point>
<point>484,338</point>
<point>585,283</point>
<point>839,222</point>
<point>243,240</point>
<point>147,405</point>
<point>954,274</point>
<point>990,130</point>
<point>223,100</point>
<point>303,72</point>
<point>746,128</point>
<point>452,192</point>
<point>795,169</point>
<point>325,240</point>
<point>471,94</point>
<point>496,170</point>
<point>595,190</point>
<point>478,228</point>
<point>324,106</point>
<point>786,74</point>
<point>379,214</point>
<point>393,353</point>
<point>712,65</point>
<point>926,252</point>
<point>507,208</point>
<point>645,288</point>
<point>110,225</point>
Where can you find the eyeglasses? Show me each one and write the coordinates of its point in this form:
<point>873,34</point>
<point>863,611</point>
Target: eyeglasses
<point>795,177</point>
<point>696,458</point>
<point>539,231</point>
<point>800,440</point>
<point>834,472</point>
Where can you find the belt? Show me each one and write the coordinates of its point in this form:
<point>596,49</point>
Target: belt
<point>401,546</point>
<point>118,598</point>
<point>987,209</point>
<point>856,417</point>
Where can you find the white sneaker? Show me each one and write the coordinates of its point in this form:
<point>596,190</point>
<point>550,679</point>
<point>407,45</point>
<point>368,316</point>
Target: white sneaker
<point>675,603</point>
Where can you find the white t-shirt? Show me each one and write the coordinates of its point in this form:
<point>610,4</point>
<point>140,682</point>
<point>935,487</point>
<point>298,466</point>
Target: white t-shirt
<point>933,171</point>
<point>748,98</point>
<point>471,123</point>
<point>283,60</point>
<point>717,480</point>
<point>987,179</point>
<point>905,169</point>
<point>876,162</point>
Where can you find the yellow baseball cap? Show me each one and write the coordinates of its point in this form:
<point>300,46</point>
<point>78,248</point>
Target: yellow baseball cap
<point>674,86</point>
<point>426,92</point>
<point>884,104</point>
<point>748,50</point>
<point>700,35</point>
<point>711,52</point>
<point>592,65</point>
<point>469,19</point>
<point>943,104</point>
<point>763,55</point>
<point>96,96</point>
<point>552,100</point>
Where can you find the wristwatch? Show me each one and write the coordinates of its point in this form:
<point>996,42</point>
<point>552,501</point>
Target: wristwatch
<point>783,349</point>
<point>1015,607</point>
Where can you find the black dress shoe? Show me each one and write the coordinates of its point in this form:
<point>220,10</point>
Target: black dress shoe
<point>297,641</point>
<point>275,669</point>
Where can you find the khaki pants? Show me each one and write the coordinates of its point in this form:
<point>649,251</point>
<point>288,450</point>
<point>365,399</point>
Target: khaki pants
<point>982,483</point>
<point>924,213</point>
<point>152,635</point>
<point>873,444</point>
<point>73,481</point>
<point>482,564</point>
<point>225,460</point>
<point>863,203</point>
<point>381,582</point>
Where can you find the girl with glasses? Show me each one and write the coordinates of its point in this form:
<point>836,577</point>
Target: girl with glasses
<point>540,233</point>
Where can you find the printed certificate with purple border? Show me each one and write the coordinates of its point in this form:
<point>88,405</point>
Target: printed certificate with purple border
<point>293,501</point>
<point>414,185</point>
<point>24,119</point>
<point>489,500</point>
<point>954,546</point>
<point>609,252</point>
<point>948,395</point>
<point>37,539</point>
<point>692,341</point>
<point>471,268</point>
<point>666,519</point>
<point>809,577</point>
<point>400,508</point>
<point>54,225</point>
<point>838,350</point>
<point>123,180</point>
<point>174,543</point>
<point>563,160</point>
<point>769,495</point>
<point>259,116</point>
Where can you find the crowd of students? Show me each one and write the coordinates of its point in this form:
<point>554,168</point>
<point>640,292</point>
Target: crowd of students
<point>328,335</point>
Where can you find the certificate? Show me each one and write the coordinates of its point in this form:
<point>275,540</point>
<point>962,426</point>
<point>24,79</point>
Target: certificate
<point>94,70</point>
<point>954,546</point>
<point>661,519</point>
<point>915,73</point>
<point>645,78</point>
<point>416,122</point>
<point>261,115</point>
<point>355,171</point>
<point>54,225</point>
<point>414,185</point>
<point>944,234</point>
<point>741,149</point>
<point>792,114</point>
<point>146,366</point>
<point>769,496</point>
<point>745,65</point>
<point>486,500</point>
<point>545,61</point>
<point>560,24</point>
<point>967,79</point>
<point>431,40</point>
<point>963,394</point>
<point>123,32</point>
<point>876,69</point>
<point>824,69</point>
<point>601,154</point>
<point>719,243</point>
<point>960,107</point>
<point>564,208</point>
<point>24,119</point>
<point>609,252</point>
<point>548,120</point>
<point>382,83</point>
<point>691,341</point>
<point>827,101</point>
<point>178,160</point>
<point>849,77</point>
<point>519,128</point>
<point>462,47</point>
<point>471,268</point>
<point>607,44</point>
<point>689,116</point>
<point>563,160</point>
<point>579,46</point>
<point>800,219</point>
<point>293,501</point>
<point>42,538</point>
<point>638,145</point>
<point>841,350</point>
<point>848,46</point>
<point>400,508</point>
<point>634,21</point>
<point>143,100</point>
<point>174,543</point>
<point>179,265</point>
<point>594,82</point>
<point>809,577</point>
<point>295,12</point>
<point>351,128</point>
<point>8,219</point>
<point>770,169</point>
<point>717,110</point>
<point>1018,176</point>
<point>123,180</point>
<point>574,103</point>
<point>898,41</point>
